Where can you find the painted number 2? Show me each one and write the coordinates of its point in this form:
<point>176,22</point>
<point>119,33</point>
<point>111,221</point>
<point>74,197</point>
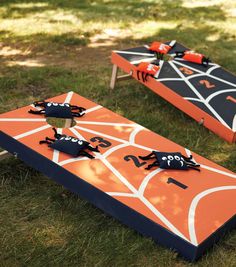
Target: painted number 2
<point>207,84</point>
<point>135,160</point>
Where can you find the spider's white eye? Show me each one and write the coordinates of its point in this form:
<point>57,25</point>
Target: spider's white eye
<point>63,137</point>
<point>182,159</point>
<point>55,104</point>
<point>49,104</point>
<point>66,104</point>
<point>74,140</point>
<point>80,142</point>
<point>170,157</point>
<point>164,158</point>
<point>177,157</point>
<point>68,138</point>
<point>61,104</point>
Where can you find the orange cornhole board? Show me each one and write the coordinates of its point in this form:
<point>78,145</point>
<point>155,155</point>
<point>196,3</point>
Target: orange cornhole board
<point>207,94</point>
<point>182,210</point>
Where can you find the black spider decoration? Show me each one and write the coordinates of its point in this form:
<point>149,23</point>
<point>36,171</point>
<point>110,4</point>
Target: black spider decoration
<point>69,145</point>
<point>58,110</point>
<point>171,160</point>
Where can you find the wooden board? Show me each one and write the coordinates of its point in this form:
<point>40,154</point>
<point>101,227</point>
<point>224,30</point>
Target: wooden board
<point>188,220</point>
<point>207,94</point>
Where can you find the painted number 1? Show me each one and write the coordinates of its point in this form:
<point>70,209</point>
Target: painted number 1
<point>232,99</point>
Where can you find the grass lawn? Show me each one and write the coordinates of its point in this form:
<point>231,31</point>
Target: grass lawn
<point>48,47</point>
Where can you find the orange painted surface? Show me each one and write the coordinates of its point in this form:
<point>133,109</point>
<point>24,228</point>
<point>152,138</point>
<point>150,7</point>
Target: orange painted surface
<point>193,213</point>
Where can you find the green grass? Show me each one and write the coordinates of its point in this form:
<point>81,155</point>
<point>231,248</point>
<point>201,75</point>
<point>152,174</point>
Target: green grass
<point>50,47</point>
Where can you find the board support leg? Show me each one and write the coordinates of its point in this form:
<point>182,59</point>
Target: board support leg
<point>115,78</point>
<point>4,154</point>
<point>68,123</point>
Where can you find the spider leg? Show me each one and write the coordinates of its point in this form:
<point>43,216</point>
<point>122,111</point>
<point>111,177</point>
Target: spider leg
<point>85,154</point>
<point>194,168</point>
<point>50,139</point>
<point>138,75</point>
<point>154,164</point>
<point>187,158</point>
<point>205,61</point>
<point>143,76</point>
<point>42,111</point>
<point>179,54</point>
<point>95,149</point>
<point>39,103</point>
<point>156,54</point>
<point>56,135</point>
<point>80,109</point>
<point>192,164</point>
<point>77,114</point>
<point>146,77</point>
<point>149,156</point>
<point>47,140</point>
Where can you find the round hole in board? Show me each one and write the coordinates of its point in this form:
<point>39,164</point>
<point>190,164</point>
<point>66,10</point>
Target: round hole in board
<point>61,122</point>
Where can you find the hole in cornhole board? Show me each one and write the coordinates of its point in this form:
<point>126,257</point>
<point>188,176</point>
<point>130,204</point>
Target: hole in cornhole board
<point>61,122</point>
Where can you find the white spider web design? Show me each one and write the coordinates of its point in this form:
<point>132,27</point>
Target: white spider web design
<point>137,193</point>
<point>149,57</point>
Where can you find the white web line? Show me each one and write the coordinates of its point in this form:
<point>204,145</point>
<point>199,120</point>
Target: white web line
<point>135,192</point>
<point>193,206</point>
<point>161,63</point>
<point>133,53</point>
<point>56,154</point>
<point>147,179</point>
<point>198,94</point>
<point>212,68</point>
<point>194,99</point>
<point>169,79</point>
<point>69,97</point>
<point>204,73</point>
<point>92,109</point>
<point>19,136</point>
<point>142,60</point>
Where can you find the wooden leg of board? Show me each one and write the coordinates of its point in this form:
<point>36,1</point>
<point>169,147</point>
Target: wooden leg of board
<point>4,154</point>
<point>68,123</point>
<point>113,76</point>
<point>125,77</point>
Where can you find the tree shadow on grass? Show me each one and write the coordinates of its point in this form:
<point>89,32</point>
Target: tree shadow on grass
<point>102,11</point>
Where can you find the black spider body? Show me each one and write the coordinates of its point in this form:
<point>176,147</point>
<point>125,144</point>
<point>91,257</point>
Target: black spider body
<point>58,110</point>
<point>69,145</point>
<point>171,160</point>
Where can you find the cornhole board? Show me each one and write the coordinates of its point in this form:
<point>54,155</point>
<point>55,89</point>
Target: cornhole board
<point>207,94</point>
<point>179,209</point>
